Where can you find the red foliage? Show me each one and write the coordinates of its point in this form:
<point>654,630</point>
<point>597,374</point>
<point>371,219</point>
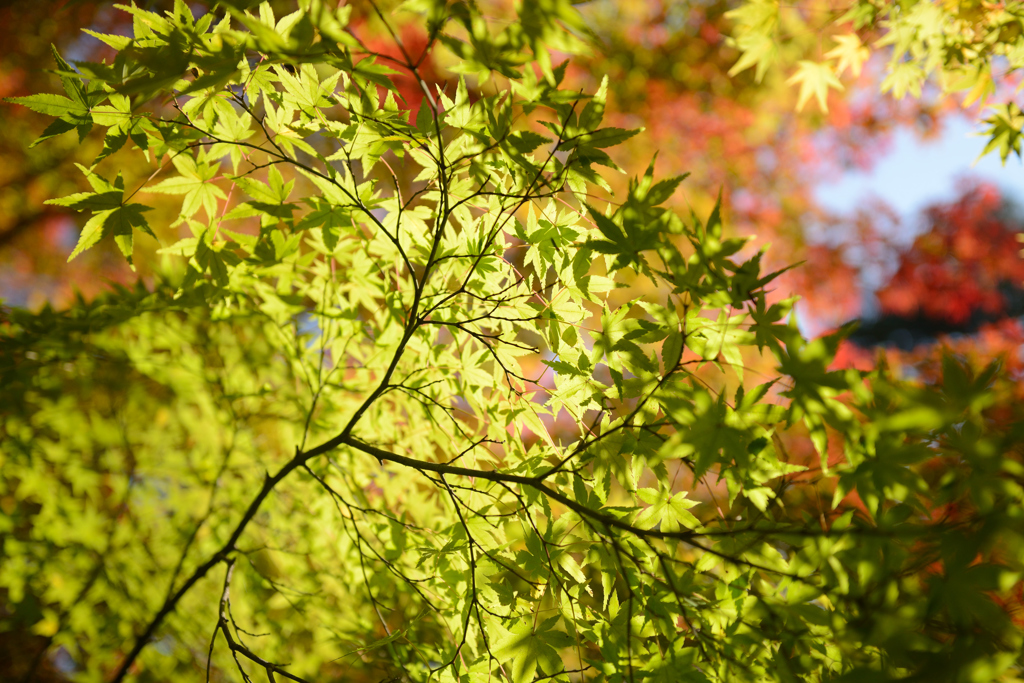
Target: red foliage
<point>415,48</point>
<point>1013,603</point>
<point>829,287</point>
<point>955,269</point>
<point>849,355</point>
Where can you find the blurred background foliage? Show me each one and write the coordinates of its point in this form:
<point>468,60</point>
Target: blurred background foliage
<point>947,286</point>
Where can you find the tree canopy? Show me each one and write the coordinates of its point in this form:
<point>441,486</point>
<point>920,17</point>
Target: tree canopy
<point>421,386</point>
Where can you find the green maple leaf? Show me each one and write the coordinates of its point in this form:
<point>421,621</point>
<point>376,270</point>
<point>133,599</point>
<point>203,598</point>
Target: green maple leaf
<point>122,125</point>
<point>49,104</point>
<point>905,77</point>
<point>331,219</point>
<point>530,647</point>
<point>850,52</point>
<point>758,51</point>
<point>110,214</point>
<point>1004,131</point>
<point>814,79</point>
<point>670,512</point>
<point>195,183</point>
<point>756,24</point>
<point>72,112</point>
